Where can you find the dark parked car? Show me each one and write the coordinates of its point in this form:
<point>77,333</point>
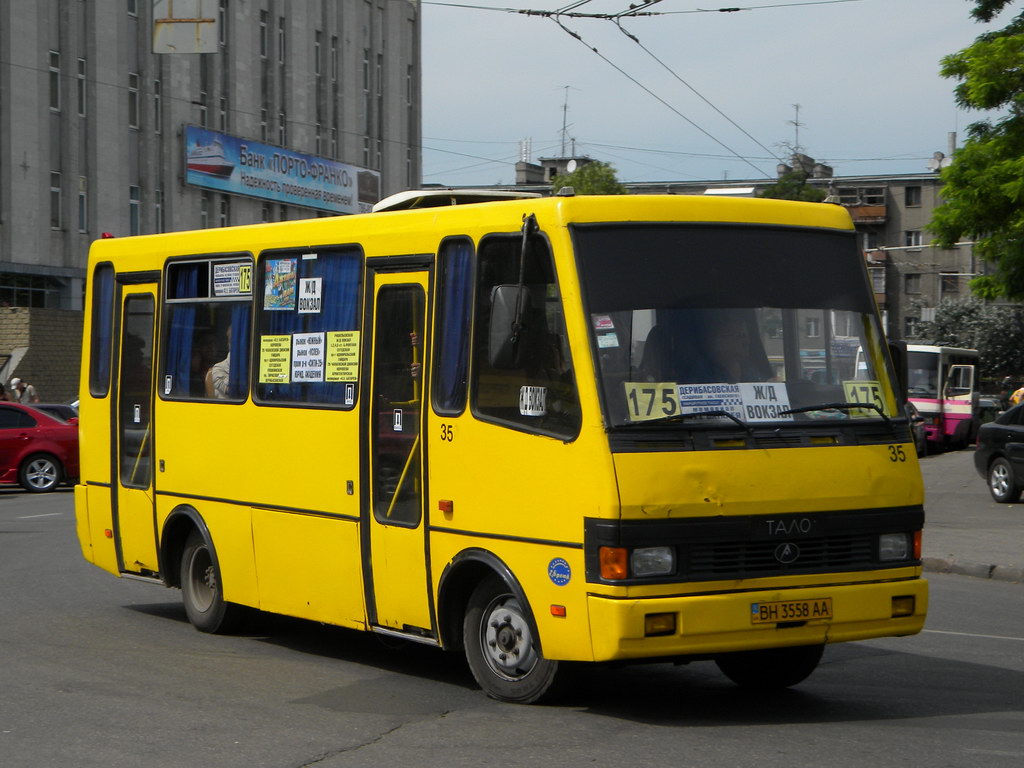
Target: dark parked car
<point>999,457</point>
<point>37,450</point>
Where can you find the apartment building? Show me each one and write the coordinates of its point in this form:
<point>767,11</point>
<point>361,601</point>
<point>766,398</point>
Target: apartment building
<point>111,121</point>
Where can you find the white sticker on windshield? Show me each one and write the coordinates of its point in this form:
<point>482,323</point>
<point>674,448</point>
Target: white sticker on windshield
<point>707,398</point>
<point>765,401</point>
<point>607,340</point>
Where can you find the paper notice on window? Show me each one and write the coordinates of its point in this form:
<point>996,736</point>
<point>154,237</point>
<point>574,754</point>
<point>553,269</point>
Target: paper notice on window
<point>307,357</point>
<point>342,356</point>
<point>275,359</point>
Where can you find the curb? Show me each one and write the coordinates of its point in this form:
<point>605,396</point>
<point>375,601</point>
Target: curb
<point>1011,573</point>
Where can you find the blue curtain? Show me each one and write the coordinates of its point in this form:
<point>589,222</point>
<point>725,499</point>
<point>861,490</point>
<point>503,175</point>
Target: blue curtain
<point>103,330</point>
<point>454,308</point>
<point>178,362</point>
<point>238,373</point>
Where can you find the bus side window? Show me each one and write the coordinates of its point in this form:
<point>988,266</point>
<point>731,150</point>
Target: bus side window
<point>454,312</point>
<point>207,326</point>
<point>540,394</point>
<point>102,330</point>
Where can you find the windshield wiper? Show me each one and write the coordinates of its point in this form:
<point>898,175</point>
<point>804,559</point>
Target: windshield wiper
<point>838,407</point>
<point>684,416</point>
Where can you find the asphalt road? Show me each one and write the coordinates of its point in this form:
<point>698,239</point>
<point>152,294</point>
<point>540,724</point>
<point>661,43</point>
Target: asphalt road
<point>97,671</point>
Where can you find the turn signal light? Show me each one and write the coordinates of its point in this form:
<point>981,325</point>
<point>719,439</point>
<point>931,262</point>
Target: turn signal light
<point>614,563</point>
<point>917,545</point>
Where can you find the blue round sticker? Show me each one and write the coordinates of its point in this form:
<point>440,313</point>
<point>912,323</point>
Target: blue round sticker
<point>559,571</point>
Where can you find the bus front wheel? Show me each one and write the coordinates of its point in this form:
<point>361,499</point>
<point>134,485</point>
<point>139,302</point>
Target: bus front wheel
<point>500,646</point>
<point>771,668</point>
<point>202,590</point>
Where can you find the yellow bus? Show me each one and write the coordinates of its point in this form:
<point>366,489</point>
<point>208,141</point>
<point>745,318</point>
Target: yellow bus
<point>533,430</point>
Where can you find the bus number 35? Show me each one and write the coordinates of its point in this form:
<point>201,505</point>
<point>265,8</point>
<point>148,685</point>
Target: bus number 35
<point>447,432</point>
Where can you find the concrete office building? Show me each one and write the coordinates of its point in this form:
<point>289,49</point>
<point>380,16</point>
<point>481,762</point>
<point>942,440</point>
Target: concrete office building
<point>302,108</point>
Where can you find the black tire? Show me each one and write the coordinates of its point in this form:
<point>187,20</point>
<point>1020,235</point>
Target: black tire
<point>771,668</point>
<point>40,473</point>
<point>202,589</point>
<point>500,647</point>
<point>1001,483</point>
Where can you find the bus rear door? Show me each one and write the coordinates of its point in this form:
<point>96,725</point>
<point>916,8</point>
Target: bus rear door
<point>395,560</point>
<point>134,519</point>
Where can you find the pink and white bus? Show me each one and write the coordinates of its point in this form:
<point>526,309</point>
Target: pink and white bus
<point>941,382</point>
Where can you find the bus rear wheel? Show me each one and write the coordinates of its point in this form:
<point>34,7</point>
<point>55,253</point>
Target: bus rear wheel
<point>771,668</point>
<point>202,589</point>
<point>500,646</point>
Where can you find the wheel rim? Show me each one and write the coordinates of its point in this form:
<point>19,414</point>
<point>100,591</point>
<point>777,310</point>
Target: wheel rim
<point>202,580</point>
<point>999,480</point>
<point>506,639</point>
<point>41,474</point>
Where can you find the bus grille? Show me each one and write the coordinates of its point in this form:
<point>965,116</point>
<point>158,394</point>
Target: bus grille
<point>749,559</point>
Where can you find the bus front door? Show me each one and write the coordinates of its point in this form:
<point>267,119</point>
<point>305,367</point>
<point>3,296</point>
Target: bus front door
<point>396,568</point>
<point>133,449</point>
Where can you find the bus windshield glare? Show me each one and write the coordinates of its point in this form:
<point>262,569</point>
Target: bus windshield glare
<point>714,325</point>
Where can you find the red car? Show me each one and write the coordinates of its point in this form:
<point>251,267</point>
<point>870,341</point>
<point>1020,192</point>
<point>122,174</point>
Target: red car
<point>37,450</point>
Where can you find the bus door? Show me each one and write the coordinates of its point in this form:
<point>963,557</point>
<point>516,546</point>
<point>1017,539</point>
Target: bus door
<point>958,402</point>
<point>134,521</point>
<point>397,586</point>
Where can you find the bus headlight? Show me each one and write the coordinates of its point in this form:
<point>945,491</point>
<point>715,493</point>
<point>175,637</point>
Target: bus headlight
<point>893,546</point>
<point>652,561</point>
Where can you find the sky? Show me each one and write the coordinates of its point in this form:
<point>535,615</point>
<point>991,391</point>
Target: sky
<point>703,95</point>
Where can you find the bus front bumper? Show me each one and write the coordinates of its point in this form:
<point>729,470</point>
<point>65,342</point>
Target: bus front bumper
<point>710,624</point>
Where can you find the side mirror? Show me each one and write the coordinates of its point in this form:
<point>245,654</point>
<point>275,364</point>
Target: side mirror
<point>898,354</point>
<point>510,304</point>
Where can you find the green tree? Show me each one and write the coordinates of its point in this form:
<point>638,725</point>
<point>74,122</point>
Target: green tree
<point>995,330</point>
<point>983,188</point>
<point>593,178</point>
<point>793,185</point>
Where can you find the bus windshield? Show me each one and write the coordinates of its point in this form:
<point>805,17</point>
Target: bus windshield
<point>714,324</point>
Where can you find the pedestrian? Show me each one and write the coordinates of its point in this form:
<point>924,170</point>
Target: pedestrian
<point>23,392</point>
<point>1017,396</point>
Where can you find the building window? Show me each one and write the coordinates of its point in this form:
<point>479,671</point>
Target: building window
<point>282,131</point>
<point>912,238</point>
<point>912,197</point>
<point>950,283</point>
<point>133,7</point>
<point>334,57</point>
<point>318,39</point>
<point>319,139</point>
<point>912,283</point>
<point>334,143</point>
<point>222,114</point>
<point>263,124</point>
<point>280,40</point>
<point>222,22</point>
<point>158,210</point>
<point>54,200</point>
<point>83,204</point>
<point>366,151</point>
<point>204,210</point>
<point>80,87</point>
<point>158,106</point>
<point>224,212</point>
<point>265,213</point>
<point>133,100</point>
<point>910,325</point>
<point>813,327</point>
<point>264,22</point>
<point>134,206</point>
<point>877,279</point>
<point>55,81</point>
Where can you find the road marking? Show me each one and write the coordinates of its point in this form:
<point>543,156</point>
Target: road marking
<point>48,514</point>
<point>971,634</point>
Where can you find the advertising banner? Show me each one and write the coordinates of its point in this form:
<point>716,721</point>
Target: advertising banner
<point>239,166</point>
